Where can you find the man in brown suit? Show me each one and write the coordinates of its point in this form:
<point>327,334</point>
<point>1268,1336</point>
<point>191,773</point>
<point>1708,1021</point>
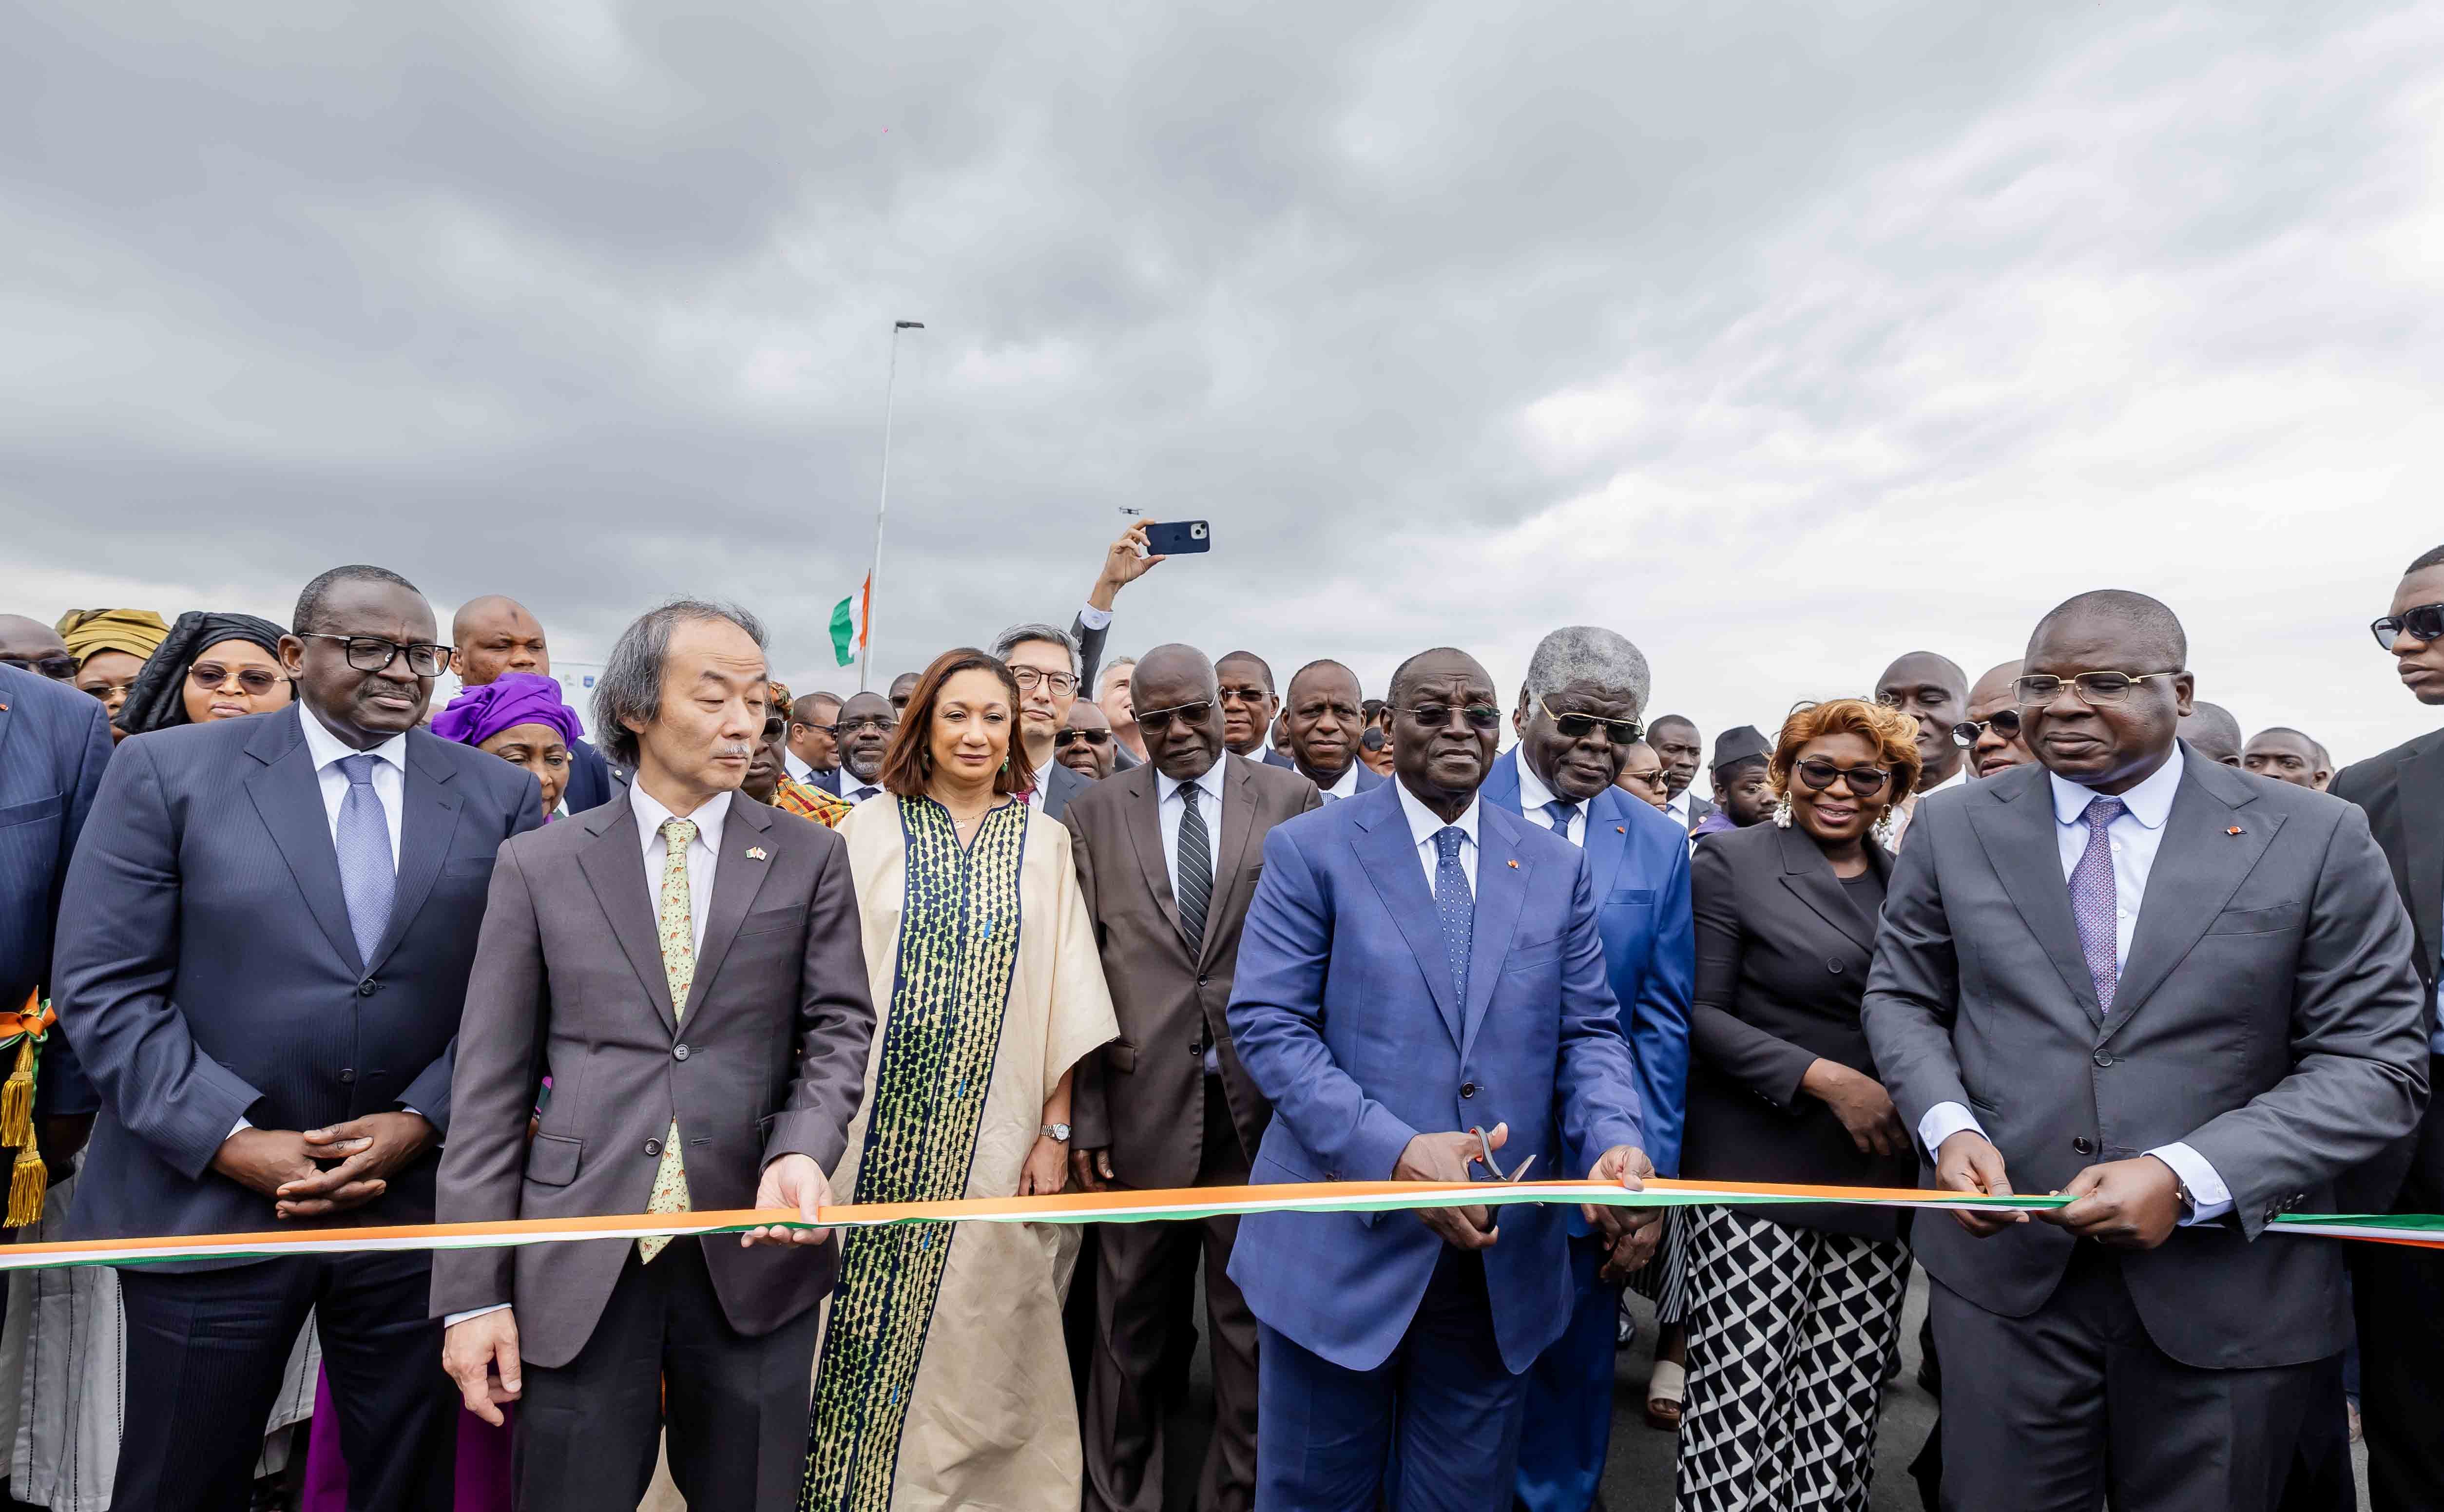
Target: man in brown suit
<point>685,965</point>
<point>1168,855</point>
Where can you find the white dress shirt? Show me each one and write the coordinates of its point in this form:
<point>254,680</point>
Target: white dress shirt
<point>1424,823</point>
<point>1676,806</point>
<point>389,776</point>
<point>795,767</point>
<point>1534,795</point>
<point>1170,809</point>
<point>2135,836</point>
<point>1906,809</point>
<point>1347,786</point>
<point>856,790</point>
<point>703,853</point>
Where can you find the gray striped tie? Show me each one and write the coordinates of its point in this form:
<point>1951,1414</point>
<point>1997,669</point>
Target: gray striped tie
<point>1193,878</point>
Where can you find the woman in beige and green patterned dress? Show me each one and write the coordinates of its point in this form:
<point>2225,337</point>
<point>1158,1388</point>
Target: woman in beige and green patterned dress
<point>941,1380</point>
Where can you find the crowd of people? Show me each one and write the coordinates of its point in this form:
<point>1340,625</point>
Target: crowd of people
<point>1034,920</point>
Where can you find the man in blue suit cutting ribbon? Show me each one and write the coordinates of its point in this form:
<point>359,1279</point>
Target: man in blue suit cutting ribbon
<point>1579,715</point>
<point>1419,965</point>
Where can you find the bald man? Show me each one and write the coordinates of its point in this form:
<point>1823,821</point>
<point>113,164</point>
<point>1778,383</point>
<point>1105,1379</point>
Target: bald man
<point>2213,733</point>
<point>494,636</point>
<point>32,646</point>
<point>2288,756</point>
<point>1996,746</point>
<point>1935,692</point>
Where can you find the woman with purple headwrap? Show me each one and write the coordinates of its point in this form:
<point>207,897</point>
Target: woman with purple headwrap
<point>520,718</point>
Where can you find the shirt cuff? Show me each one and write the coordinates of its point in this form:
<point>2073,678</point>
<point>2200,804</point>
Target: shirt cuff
<point>453,1319</point>
<point>1094,618</point>
<point>1942,1122</point>
<point>241,1124</point>
<point>2209,1197</point>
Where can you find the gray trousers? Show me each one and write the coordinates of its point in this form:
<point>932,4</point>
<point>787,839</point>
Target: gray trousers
<point>2074,1405</point>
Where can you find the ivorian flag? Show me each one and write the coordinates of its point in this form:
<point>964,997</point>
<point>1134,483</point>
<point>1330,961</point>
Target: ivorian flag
<point>851,618</point>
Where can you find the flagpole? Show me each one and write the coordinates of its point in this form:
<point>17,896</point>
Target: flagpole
<point>881,502</point>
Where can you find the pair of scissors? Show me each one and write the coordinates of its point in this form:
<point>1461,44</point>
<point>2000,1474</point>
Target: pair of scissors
<point>1485,1157</point>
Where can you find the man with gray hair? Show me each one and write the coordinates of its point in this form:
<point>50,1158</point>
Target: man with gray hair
<point>1577,717</point>
<point>1045,660</point>
<point>691,969</point>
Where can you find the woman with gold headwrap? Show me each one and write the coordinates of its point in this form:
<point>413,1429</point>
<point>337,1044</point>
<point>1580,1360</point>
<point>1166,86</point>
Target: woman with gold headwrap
<point>111,647</point>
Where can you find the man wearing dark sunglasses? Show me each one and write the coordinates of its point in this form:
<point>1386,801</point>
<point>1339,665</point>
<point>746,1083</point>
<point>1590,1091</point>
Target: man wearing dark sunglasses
<point>1990,733</point>
<point>1083,742</point>
<point>2182,997</point>
<point>2399,1292</point>
<point>1586,688</point>
<point>813,746</point>
<point>1418,966</point>
<point>266,945</point>
<point>32,646</point>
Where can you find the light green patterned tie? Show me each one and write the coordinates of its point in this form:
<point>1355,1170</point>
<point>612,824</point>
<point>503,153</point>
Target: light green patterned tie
<point>679,966</point>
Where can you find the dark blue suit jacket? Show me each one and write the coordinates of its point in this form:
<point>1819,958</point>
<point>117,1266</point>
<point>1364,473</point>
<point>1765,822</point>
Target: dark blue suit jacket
<point>54,745</point>
<point>1345,1013</point>
<point>589,778</point>
<point>1640,858</point>
<point>207,970</point>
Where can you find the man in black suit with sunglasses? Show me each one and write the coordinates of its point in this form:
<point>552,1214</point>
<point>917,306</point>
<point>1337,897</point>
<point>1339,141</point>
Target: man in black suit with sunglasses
<point>2399,1292</point>
<point>1992,730</point>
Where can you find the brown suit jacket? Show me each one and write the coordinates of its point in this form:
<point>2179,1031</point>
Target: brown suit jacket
<point>569,981</point>
<point>1140,1094</point>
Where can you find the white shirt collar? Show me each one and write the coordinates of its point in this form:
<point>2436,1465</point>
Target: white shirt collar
<point>1533,793</point>
<point>1959,777</point>
<point>1678,806</point>
<point>1347,786</point>
<point>1424,822</point>
<point>1209,785</point>
<point>328,748</point>
<point>2150,802</point>
<point>709,816</point>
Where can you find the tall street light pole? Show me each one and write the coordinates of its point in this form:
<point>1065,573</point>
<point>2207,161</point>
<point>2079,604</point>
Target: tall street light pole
<point>881,502</point>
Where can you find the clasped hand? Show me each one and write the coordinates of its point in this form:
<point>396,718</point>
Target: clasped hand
<point>289,1167</point>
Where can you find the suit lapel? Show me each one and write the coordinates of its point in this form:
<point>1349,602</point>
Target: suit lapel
<point>736,878</point>
<point>1607,838</point>
<point>2199,865</point>
<point>614,866</point>
<point>1231,856</point>
<point>1390,860</point>
<point>1501,891</point>
<point>1806,872</point>
<point>2418,808</point>
<point>1143,827</point>
<point>288,797</point>
<point>2013,816</point>
<point>429,802</point>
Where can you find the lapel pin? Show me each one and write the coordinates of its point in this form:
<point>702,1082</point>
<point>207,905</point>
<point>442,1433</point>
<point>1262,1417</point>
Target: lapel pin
<point>1514,866</point>
<point>1621,829</point>
<point>2235,830</point>
<point>756,853</point>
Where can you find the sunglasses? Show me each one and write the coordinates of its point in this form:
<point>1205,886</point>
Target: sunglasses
<point>2426,623</point>
<point>2006,723</point>
<point>373,653</point>
<point>57,669</point>
<point>1155,721</point>
<point>1577,727</point>
<point>1071,737</point>
<point>1438,716</point>
<point>2093,687</point>
<point>775,728</point>
<point>256,680</point>
<point>1865,782</point>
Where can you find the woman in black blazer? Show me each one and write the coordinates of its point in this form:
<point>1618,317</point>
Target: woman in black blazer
<point>1794,1312</point>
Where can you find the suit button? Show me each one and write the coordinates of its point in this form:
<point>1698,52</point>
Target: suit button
<point>1834,967</point>
<point>2103,1058</point>
<point>652,1147</point>
<point>1196,1048</point>
<point>1467,1089</point>
<point>678,1052</point>
<point>348,1074</point>
<point>2083,1145</point>
<point>365,988</point>
<point>1204,981</point>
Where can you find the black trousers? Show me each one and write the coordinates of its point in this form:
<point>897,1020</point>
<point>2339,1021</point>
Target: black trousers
<point>737,1407</point>
<point>205,1353</point>
<point>2399,1293</point>
<point>2074,1406</point>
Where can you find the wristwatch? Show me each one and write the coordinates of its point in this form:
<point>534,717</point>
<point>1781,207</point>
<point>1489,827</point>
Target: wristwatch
<point>1057,1132</point>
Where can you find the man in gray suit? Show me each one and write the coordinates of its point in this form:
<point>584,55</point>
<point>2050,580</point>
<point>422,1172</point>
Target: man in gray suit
<point>1167,855</point>
<point>2181,995</point>
<point>686,966</point>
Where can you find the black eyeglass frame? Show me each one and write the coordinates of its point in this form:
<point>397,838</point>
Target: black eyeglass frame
<point>2389,629</point>
<point>393,649</point>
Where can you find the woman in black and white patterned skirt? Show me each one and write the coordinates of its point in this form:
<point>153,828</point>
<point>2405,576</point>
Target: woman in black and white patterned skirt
<point>1794,1313</point>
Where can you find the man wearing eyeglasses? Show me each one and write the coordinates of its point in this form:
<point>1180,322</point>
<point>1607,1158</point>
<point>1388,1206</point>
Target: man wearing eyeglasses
<point>1249,707</point>
<point>866,722</point>
<point>2399,1292</point>
<point>267,931</point>
<point>32,646</point>
<point>2182,997</point>
<point>1045,660</point>
<point>1990,732</point>
<point>1422,996</point>
<point>1083,742</point>
<point>1585,687</point>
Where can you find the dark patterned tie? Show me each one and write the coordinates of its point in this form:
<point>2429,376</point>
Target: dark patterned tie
<point>1562,811</point>
<point>1454,904</point>
<point>1194,876</point>
<point>369,876</point>
<point>2095,903</point>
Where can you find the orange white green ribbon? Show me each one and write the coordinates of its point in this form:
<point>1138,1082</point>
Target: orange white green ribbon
<point>1107,1208</point>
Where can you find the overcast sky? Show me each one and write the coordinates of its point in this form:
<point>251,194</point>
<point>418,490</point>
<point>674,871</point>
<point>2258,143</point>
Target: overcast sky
<point>1780,339</point>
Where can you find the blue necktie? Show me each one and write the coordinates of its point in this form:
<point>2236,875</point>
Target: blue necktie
<point>1562,811</point>
<point>1454,904</point>
<point>2095,902</point>
<point>368,877</point>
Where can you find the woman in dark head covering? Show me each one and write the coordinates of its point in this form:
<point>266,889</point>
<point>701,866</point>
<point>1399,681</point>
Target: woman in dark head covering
<point>518,717</point>
<point>212,666</point>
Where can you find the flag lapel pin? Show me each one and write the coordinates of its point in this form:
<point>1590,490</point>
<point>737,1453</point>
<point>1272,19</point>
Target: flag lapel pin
<point>756,853</point>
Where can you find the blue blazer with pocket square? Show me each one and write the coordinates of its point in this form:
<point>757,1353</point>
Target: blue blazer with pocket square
<point>1345,1013</point>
